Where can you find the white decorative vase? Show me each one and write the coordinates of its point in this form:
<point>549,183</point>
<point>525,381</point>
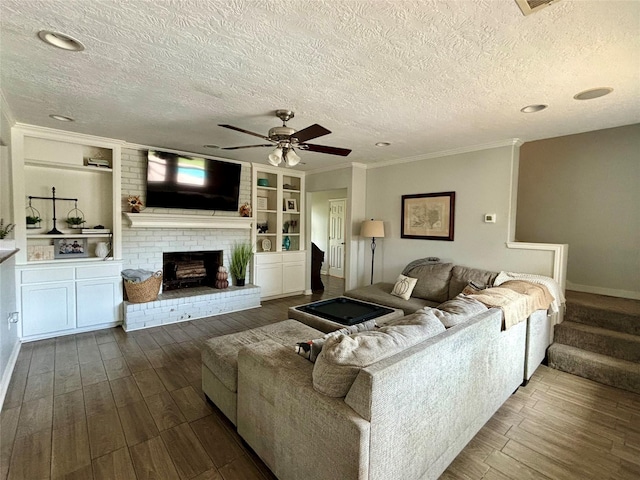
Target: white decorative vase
<point>102,250</point>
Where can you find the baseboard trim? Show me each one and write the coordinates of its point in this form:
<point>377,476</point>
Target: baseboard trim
<point>610,292</point>
<point>8,371</point>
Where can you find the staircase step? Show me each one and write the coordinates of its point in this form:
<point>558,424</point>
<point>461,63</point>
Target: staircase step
<point>594,366</point>
<point>599,340</point>
<point>619,314</point>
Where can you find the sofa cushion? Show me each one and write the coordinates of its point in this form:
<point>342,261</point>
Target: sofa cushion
<point>404,286</point>
<point>220,354</point>
<point>343,356</point>
<point>461,276</point>
<point>433,281</point>
<point>458,310</point>
<point>380,293</point>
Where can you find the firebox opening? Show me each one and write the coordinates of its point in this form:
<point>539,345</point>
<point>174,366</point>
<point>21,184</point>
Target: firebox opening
<point>190,269</point>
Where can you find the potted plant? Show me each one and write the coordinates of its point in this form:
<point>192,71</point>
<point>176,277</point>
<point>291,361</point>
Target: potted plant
<point>75,222</point>
<point>5,230</point>
<point>33,221</point>
<point>240,258</point>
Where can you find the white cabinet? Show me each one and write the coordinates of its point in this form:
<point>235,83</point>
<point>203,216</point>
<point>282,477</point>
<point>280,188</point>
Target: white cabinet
<point>56,300</point>
<point>63,291</point>
<point>280,274</point>
<point>280,260</point>
<point>48,307</point>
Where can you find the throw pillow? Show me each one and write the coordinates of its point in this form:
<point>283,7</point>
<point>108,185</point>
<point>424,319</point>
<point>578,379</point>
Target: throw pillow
<point>312,348</point>
<point>404,286</point>
<point>344,355</point>
<point>433,281</point>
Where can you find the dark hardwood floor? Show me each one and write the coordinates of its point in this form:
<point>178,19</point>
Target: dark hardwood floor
<point>117,405</point>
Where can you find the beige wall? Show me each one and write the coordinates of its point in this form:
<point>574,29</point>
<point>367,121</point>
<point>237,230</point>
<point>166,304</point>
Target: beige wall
<point>484,182</point>
<point>584,190</point>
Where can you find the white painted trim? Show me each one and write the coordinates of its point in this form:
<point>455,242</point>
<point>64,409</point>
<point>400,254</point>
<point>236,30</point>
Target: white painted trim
<point>8,371</point>
<point>559,250</point>
<point>66,136</point>
<point>610,292</point>
<point>166,220</point>
<point>6,109</point>
<point>445,153</point>
<point>337,167</point>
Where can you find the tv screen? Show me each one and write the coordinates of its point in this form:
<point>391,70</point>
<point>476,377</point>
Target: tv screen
<point>178,181</point>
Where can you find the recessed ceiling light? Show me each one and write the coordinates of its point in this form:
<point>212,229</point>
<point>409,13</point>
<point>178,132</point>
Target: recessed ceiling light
<point>593,93</point>
<point>60,40</point>
<point>62,118</point>
<point>383,144</point>
<point>211,146</point>
<point>533,108</point>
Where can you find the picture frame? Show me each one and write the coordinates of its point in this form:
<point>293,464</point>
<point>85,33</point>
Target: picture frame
<point>428,216</point>
<point>74,247</point>
<point>262,203</point>
<point>290,205</point>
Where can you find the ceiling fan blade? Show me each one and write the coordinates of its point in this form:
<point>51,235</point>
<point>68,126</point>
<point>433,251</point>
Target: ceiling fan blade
<point>246,146</point>
<point>343,152</point>
<point>242,130</point>
<point>311,132</point>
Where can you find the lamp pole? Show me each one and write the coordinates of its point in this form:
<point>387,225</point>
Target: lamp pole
<point>373,253</point>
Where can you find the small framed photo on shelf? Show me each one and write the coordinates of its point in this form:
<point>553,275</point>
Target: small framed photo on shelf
<point>290,205</point>
<point>261,203</point>
<point>70,248</point>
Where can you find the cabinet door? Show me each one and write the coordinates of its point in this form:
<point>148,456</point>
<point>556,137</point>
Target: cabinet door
<point>98,301</point>
<point>293,277</point>
<point>269,278</point>
<point>48,307</point>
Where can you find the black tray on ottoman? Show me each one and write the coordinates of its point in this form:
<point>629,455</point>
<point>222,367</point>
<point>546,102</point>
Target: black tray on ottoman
<point>334,313</point>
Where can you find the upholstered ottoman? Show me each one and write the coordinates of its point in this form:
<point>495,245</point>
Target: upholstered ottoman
<point>220,359</point>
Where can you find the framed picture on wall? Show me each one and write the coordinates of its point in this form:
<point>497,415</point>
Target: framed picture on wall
<point>70,248</point>
<point>428,216</point>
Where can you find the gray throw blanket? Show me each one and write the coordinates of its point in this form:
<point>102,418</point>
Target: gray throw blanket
<point>136,276</point>
<point>419,263</point>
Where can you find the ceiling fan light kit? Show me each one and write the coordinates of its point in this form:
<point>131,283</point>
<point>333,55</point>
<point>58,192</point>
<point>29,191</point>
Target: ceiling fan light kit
<point>286,138</point>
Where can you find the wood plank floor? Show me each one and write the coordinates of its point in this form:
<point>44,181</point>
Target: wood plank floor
<point>116,405</point>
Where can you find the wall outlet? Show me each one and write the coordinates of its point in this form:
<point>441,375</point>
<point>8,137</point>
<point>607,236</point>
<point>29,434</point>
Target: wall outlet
<point>490,218</point>
<point>12,318</point>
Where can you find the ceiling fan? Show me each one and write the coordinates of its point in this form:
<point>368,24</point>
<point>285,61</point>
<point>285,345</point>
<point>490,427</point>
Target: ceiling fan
<point>286,139</point>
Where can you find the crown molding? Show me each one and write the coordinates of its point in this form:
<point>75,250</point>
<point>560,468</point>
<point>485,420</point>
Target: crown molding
<point>66,135</point>
<point>338,167</point>
<point>6,110</point>
<point>513,142</point>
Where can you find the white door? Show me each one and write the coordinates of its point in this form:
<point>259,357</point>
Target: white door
<point>336,237</point>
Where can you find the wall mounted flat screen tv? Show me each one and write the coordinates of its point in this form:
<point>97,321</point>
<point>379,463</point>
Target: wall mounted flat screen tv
<point>178,181</point>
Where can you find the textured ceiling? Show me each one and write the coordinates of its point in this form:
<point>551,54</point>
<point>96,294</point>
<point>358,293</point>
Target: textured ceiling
<point>427,76</point>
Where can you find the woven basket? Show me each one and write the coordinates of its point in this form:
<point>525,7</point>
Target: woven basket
<point>146,291</point>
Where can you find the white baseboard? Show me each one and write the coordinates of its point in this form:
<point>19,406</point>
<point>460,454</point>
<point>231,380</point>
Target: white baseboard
<point>611,292</point>
<point>8,371</point>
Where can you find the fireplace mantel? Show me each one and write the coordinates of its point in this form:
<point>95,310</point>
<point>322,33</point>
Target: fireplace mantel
<point>168,220</point>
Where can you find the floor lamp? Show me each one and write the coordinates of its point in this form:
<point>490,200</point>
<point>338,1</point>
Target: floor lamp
<point>372,229</point>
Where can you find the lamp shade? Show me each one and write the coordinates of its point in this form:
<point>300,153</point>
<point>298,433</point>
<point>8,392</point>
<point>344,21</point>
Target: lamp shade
<point>291,158</point>
<point>276,157</point>
<point>372,229</point>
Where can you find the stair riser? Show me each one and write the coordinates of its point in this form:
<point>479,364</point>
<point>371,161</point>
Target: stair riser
<point>619,322</point>
<point>599,343</point>
<point>625,378</point>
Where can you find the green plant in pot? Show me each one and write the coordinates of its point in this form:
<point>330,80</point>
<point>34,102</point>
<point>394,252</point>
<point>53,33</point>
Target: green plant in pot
<point>33,221</point>
<point>240,258</point>
<point>75,222</point>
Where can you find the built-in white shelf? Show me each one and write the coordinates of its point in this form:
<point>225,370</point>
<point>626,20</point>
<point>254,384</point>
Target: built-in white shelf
<point>168,220</point>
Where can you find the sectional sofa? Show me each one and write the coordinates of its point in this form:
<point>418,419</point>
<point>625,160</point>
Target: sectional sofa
<point>398,401</point>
